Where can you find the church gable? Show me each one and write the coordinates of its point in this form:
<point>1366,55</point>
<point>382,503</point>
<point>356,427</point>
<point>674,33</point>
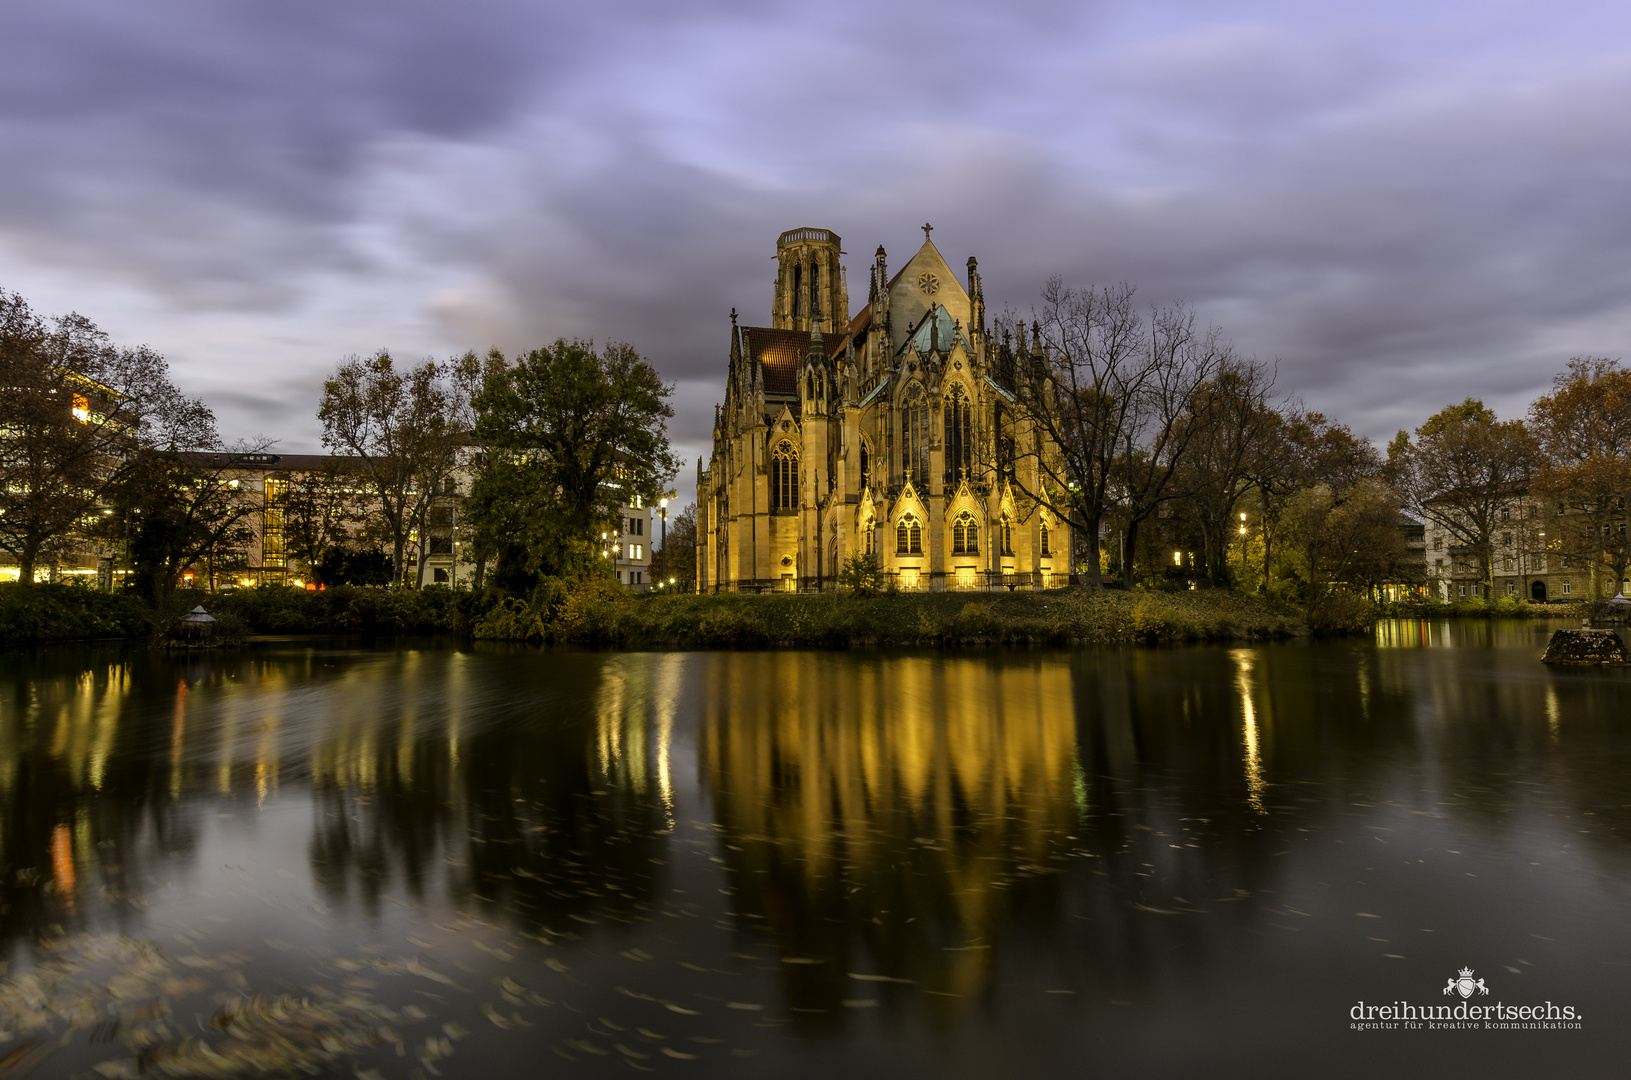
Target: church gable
<point>926,280</point>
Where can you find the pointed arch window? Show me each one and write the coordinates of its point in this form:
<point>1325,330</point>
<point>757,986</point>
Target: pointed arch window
<point>909,536</point>
<point>965,535</point>
<point>1007,537</point>
<point>784,477</point>
<point>959,435</point>
<point>815,292</point>
<point>798,291</point>
<point>866,465</point>
<point>1045,550</point>
<point>914,426</point>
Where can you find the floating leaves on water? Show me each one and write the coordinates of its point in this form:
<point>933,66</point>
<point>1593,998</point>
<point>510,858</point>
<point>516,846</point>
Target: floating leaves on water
<point>416,968</point>
<point>490,951</point>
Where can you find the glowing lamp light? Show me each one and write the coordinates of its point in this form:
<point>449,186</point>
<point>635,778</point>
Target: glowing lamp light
<point>1177,558</point>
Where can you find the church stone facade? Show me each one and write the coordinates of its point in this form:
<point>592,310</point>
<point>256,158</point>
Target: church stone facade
<point>892,433</point>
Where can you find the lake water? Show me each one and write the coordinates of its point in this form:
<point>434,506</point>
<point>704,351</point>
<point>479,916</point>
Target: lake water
<point>422,860</point>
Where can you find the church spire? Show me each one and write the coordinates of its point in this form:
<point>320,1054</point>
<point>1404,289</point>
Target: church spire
<point>976,297</point>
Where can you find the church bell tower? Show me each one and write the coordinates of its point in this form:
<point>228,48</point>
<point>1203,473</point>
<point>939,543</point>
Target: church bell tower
<point>810,287</point>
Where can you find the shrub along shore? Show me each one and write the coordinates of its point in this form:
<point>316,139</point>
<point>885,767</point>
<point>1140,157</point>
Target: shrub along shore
<point>597,613</point>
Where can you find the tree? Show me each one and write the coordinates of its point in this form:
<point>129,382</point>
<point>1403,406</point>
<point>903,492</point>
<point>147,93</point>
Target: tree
<point>679,551</point>
<point>1584,431</point>
<point>1345,544</point>
<point>572,435</point>
<point>1232,418</point>
<point>1116,403</point>
<point>1463,467</point>
<point>1297,450</point>
<point>322,505</point>
<point>76,412</point>
<point>184,509</point>
<point>405,428</point>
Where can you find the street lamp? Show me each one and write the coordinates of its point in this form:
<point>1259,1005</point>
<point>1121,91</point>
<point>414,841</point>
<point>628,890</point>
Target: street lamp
<point>1243,547</point>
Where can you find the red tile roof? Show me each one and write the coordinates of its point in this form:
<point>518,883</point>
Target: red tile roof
<point>779,353</point>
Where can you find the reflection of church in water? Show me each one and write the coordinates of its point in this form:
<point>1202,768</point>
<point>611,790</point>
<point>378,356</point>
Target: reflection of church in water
<point>892,433</point>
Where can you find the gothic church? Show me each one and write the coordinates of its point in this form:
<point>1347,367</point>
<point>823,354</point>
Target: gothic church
<point>891,433</point>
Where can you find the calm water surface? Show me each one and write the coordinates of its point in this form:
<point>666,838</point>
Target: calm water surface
<point>442,861</point>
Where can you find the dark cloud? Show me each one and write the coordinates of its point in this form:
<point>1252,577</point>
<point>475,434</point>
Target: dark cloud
<point>1403,211</point>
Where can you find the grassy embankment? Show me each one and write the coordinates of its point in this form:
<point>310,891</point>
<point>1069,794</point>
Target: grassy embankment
<point>832,620</point>
<point>601,615</point>
<point>1475,608</point>
<point>41,613</point>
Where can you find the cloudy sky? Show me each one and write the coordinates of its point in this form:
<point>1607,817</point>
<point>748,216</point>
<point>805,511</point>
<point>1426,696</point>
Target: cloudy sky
<point>1403,204</point>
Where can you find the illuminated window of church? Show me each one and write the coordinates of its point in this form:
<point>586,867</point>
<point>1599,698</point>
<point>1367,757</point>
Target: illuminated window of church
<point>815,293</point>
<point>965,535</point>
<point>866,466</point>
<point>798,289</point>
<point>1007,537</point>
<point>914,426</point>
<point>908,537</point>
<point>1045,550</point>
<point>959,436</point>
<point>784,477</point>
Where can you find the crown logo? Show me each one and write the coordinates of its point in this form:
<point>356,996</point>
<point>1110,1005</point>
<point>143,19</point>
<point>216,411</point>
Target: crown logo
<point>1466,985</point>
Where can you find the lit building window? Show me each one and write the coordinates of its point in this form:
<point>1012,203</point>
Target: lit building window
<point>959,436</point>
<point>784,477</point>
<point>909,537</point>
<point>965,536</point>
<point>914,426</point>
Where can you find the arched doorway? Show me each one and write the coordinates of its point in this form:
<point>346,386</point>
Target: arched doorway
<point>1537,591</point>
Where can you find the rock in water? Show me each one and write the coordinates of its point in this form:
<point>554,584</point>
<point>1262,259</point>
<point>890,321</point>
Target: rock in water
<point>1586,648</point>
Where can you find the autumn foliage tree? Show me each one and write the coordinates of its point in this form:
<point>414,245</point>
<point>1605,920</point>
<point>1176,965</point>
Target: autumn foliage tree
<point>1461,470</point>
<point>79,415</point>
<point>1584,471</point>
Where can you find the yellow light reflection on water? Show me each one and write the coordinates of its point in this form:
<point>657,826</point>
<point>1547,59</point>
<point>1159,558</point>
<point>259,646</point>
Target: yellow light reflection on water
<point>938,783</point>
<point>1244,662</point>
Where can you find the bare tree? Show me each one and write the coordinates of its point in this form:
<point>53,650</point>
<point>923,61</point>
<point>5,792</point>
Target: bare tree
<point>185,509</point>
<point>1233,417</point>
<point>679,550</point>
<point>1114,403</point>
<point>405,429</point>
<point>322,505</point>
